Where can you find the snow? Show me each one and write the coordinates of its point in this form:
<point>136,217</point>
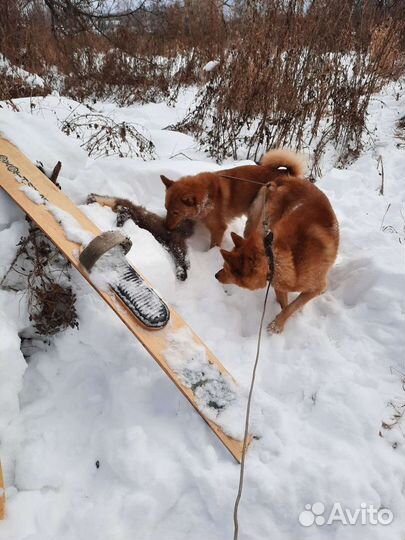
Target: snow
<point>107,269</point>
<point>112,270</point>
<point>217,395</point>
<point>9,69</point>
<point>71,227</point>
<point>32,194</point>
<point>41,140</point>
<point>94,395</point>
<point>211,65</point>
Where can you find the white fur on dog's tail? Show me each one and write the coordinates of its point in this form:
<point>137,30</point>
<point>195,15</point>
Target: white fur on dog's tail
<point>284,158</point>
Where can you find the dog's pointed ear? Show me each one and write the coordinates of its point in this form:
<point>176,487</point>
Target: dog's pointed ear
<point>227,255</point>
<point>167,182</point>
<point>237,240</point>
<point>255,212</point>
<point>188,200</point>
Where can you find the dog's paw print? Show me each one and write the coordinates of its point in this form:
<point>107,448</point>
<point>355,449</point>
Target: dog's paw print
<point>274,327</point>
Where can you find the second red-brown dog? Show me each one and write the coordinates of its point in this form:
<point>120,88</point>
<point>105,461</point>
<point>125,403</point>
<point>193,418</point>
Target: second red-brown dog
<point>305,243</point>
<point>214,199</point>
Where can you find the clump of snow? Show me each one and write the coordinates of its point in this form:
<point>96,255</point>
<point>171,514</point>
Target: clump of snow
<point>211,65</point>
<point>71,227</point>
<point>33,194</point>
<point>107,270</point>
<point>15,71</point>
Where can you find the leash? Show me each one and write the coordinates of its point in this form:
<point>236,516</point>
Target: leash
<point>230,177</point>
<point>247,418</point>
<point>242,179</point>
<point>268,246</point>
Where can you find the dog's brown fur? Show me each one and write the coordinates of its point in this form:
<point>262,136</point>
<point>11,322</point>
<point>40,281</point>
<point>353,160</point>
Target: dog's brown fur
<point>173,241</point>
<point>215,200</point>
<point>305,244</point>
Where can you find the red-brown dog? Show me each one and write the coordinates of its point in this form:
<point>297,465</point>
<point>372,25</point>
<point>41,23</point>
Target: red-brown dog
<point>215,200</point>
<point>305,243</point>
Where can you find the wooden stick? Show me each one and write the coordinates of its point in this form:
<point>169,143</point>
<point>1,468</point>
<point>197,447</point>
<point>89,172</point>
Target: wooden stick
<point>55,173</point>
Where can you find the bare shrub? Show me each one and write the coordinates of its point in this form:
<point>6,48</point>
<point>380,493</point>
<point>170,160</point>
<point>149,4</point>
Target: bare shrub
<point>283,82</point>
<point>102,136</point>
<point>40,270</point>
<point>117,75</point>
<point>26,37</point>
<point>296,72</point>
<point>385,49</point>
<point>100,50</point>
<point>14,86</point>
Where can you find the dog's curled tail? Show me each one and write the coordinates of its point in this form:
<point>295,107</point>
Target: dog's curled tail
<point>284,158</point>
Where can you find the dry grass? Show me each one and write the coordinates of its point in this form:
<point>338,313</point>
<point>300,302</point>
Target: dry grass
<point>102,136</point>
<point>293,72</point>
<point>285,82</point>
<point>40,271</point>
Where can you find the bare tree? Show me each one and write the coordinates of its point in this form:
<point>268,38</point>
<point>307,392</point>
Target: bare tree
<point>74,16</point>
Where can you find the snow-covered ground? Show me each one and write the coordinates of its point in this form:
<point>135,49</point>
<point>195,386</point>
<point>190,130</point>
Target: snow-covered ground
<point>97,443</point>
<point>7,68</point>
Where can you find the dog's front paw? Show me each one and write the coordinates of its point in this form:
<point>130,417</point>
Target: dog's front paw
<point>275,327</point>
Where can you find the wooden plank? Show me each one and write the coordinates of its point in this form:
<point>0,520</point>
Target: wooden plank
<point>2,495</point>
<point>156,341</point>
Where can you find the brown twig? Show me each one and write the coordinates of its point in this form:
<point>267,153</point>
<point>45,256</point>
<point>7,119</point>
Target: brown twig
<point>55,173</point>
<point>380,165</point>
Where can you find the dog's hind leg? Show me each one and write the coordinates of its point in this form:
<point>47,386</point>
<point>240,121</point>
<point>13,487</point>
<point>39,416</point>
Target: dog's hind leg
<point>277,326</point>
<point>282,298</point>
